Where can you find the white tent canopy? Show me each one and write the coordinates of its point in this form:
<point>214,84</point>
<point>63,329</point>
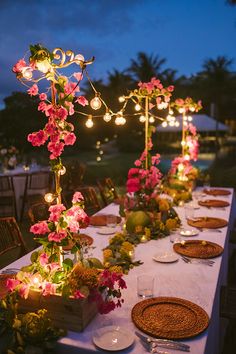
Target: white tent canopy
<point>202,122</point>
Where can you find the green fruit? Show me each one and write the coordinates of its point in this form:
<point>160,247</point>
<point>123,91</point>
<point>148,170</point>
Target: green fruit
<point>95,263</point>
<point>137,218</point>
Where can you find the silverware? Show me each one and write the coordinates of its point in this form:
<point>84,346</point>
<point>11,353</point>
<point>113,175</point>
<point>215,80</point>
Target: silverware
<point>202,229</point>
<point>198,261</point>
<point>164,343</point>
<point>152,349</point>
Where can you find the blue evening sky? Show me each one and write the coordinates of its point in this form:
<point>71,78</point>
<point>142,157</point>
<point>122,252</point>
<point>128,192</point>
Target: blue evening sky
<point>185,32</point>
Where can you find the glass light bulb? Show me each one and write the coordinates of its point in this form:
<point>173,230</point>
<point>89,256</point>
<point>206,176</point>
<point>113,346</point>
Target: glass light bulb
<point>27,73</point>
<point>171,112</point>
<point>151,119</point>
<point>160,105</point>
<point>121,99</point>
<point>106,140</point>
<point>62,171</point>
<point>107,117</point>
<point>137,107</point>
<point>185,124</point>
<point>49,197</point>
<point>164,104</point>
<point>181,110</point>
<point>98,158</point>
<point>180,167</point>
<point>169,118</point>
<point>187,157</point>
<point>171,124</point>
<point>79,58</point>
<point>183,142</point>
<point>89,123</point>
<point>190,118</point>
<point>95,103</point>
<point>44,66</point>
<point>164,124</point>
<point>177,124</point>
<point>192,109</point>
<point>101,152</point>
<point>142,119</point>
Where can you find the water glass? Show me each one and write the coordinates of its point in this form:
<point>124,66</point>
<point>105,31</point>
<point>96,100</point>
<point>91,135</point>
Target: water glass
<point>189,212</point>
<point>111,221</point>
<point>145,286</point>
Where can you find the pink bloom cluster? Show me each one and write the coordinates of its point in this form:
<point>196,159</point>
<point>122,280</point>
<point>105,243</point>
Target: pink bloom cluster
<point>57,130</point>
<point>188,104</point>
<point>65,221</point>
<point>155,88</point>
<point>180,165</point>
<point>192,145</point>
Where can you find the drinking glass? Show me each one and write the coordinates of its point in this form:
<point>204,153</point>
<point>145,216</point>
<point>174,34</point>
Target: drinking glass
<point>145,285</point>
<point>189,212</point>
<point>111,221</point>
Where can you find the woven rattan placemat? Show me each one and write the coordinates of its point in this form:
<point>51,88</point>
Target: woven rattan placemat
<point>215,203</point>
<point>101,220</point>
<point>82,238</point>
<point>198,249</point>
<point>216,191</point>
<point>207,222</point>
<point>169,317</point>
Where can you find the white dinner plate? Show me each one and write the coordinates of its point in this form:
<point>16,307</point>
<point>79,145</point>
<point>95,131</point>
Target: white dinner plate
<point>104,230</point>
<point>188,232</point>
<point>113,338</point>
<point>165,257</point>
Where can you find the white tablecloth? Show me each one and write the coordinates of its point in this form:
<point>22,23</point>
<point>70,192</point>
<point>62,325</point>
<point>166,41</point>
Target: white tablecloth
<point>195,282</point>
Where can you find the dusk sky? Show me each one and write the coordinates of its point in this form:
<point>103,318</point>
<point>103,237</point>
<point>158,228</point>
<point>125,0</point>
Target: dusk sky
<point>185,32</point>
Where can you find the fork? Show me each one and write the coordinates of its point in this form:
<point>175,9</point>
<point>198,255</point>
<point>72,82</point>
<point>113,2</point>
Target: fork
<point>198,261</point>
<point>152,349</point>
<point>203,229</point>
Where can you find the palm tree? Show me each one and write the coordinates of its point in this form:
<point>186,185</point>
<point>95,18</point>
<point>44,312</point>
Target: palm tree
<point>145,67</point>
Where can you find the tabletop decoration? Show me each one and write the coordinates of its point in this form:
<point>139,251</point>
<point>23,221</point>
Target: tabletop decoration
<point>53,281</point>
<point>8,157</point>
<point>198,249</point>
<point>182,176</point>
<point>170,318</point>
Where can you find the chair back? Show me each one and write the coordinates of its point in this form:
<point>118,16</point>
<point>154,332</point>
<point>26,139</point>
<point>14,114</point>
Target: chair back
<point>38,212</point>
<point>107,190</point>
<point>39,181</point>
<point>91,202</point>
<point>7,197</point>
<point>10,237</point>
<point>74,176</point>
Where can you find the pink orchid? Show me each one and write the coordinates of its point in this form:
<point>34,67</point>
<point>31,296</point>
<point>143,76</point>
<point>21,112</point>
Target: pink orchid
<point>34,90</point>
<point>21,64</point>
<point>48,289</point>
<point>138,163</point>
<point>57,236</point>
<point>77,197</point>
<point>62,113</point>
<point>11,284</point>
<point>170,88</point>
<point>73,225</point>
<point>55,149</point>
<point>133,185</point>
<point>82,101</point>
<point>69,139</point>
<point>24,291</point>
<point>132,172</point>
<point>38,138</point>
<point>42,96</point>
<point>78,76</point>
<point>43,259</point>
<point>40,228</point>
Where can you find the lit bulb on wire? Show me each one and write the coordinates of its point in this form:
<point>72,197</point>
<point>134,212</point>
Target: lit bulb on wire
<point>164,124</point>
<point>137,107</point>
<point>62,171</point>
<point>89,122</point>
<point>107,117</point>
<point>95,103</point>
<point>49,197</point>
<point>151,119</point>
<point>120,119</point>
<point>27,73</point>
<point>142,119</point>
<point>121,99</point>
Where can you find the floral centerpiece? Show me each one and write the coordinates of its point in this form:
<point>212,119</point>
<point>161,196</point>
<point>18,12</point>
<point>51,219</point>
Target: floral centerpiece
<point>8,157</point>
<point>182,175</point>
<point>50,274</point>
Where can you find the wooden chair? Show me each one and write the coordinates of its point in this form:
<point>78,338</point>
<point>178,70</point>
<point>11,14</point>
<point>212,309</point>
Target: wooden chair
<point>74,176</point>
<point>38,212</point>
<point>7,197</point>
<point>12,245</point>
<point>107,190</point>
<point>91,201</point>
<point>37,184</point>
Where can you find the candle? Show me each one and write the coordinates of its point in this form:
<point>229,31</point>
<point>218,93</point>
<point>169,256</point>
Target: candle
<point>131,254</point>
<point>143,238</point>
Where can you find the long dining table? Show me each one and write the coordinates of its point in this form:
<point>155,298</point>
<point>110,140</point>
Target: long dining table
<point>197,283</point>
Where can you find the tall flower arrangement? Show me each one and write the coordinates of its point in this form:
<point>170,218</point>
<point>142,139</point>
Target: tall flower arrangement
<point>50,272</point>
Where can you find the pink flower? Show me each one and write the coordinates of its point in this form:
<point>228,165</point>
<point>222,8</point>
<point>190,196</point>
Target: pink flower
<point>170,88</point>
<point>77,197</point>
<point>37,139</point>
<point>55,212</point>
<point>11,284</point>
<point>57,236</point>
<point>42,96</point>
<point>24,291</point>
<point>17,68</point>
<point>78,295</point>
<point>62,113</point>
<point>53,266</point>
<point>33,91</point>
<point>70,107</point>
<point>49,289</point>
<point>132,172</point>
<point>82,100</point>
<point>43,259</point>
<point>40,228</point>
<point>138,163</point>
<point>73,225</point>
<point>78,76</point>
<point>70,139</point>
<point>133,185</point>
<point>55,149</point>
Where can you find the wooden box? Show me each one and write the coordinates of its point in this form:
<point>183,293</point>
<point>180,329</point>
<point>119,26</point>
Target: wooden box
<point>67,313</point>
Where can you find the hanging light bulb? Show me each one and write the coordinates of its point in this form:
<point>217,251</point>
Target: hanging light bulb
<point>169,118</point>
<point>107,117</point>
<point>89,122</point>
<point>151,119</point>
<point>43,65</point>
<point>164,105</point>
<point>160,105</point>
<point>121,99</point>
<point>171,112</point>
<point>164,124</point>
<point>183,142</point>
<point>101,152</point>
<point>171,123</point>
<point>187,157</point>
<point>96,103</point>
<point>27,73</point>
<point>177,124</point>
<point>98,158</point>
<point>142,119</point>
<point>62,171</point>
<point>49,197</point>
<point>190,118</point>
<point>137,107</point>
<point>79,58</point>
<point>185,124</point>
<point>192,109</point>
<point>181,110</point>
<point>120,120</point>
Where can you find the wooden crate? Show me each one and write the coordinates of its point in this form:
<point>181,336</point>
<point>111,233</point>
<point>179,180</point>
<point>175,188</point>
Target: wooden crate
<point>72,314</point>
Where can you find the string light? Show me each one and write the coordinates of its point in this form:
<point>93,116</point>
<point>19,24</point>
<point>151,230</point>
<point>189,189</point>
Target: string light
<point>190,118</point>
<point>98,158</point>
<point>27,73</point>
<point>177,124</point>
<point>192,109</point>
<point>89,122</point>
<point>62,171</point>
<point>107,117</point>
<point>137,107</point>
<point>181,110</point>
<point>164,124</point>
<point>49,197</point>
<point>120,119</point>
<point>121,99</point>
<point>96,103</point>
<point>101,152</point>
<point>142,119</point>
<point>44,66</point>
<point>151,119</point>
